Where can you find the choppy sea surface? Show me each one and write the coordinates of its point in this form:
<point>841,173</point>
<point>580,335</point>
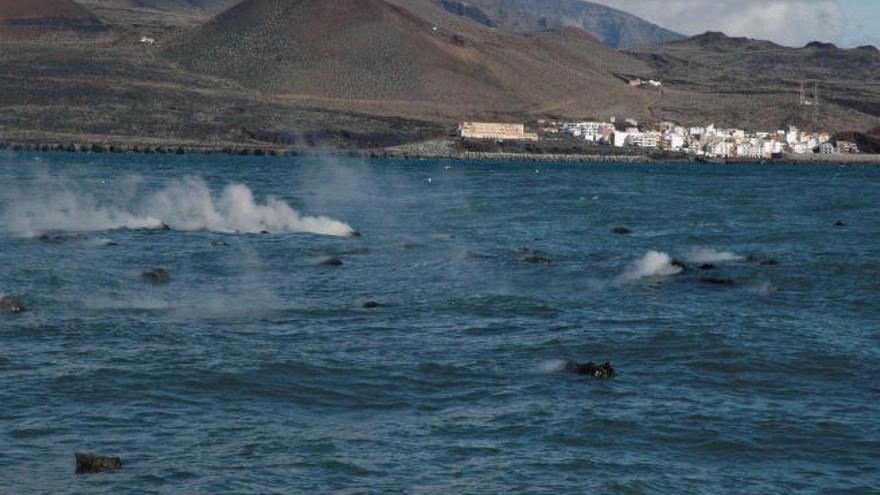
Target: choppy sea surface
<point>258,370</point>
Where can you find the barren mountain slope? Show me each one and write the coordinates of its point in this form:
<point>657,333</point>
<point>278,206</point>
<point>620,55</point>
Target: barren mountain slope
<point>379,54</point>
<point>739,81</point>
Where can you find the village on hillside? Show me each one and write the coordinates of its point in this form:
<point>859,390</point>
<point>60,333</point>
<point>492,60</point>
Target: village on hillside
<point>704,141</point>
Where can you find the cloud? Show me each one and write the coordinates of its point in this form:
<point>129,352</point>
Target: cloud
<point>788,22</point>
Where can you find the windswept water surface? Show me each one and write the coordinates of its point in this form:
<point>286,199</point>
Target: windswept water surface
<point>256,370</point>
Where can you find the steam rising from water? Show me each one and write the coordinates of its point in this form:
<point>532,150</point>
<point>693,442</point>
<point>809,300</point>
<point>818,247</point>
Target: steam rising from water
<point>652,264</point>
<point>185,204</point>
<point>707,255</point>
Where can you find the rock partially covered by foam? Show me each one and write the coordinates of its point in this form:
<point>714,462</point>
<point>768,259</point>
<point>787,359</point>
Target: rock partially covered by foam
<point>10,305</point>
<point>94,463</point>
<point>602,372</point>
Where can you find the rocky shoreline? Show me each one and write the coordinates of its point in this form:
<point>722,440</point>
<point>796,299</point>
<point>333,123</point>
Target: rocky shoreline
<point>420,153</point>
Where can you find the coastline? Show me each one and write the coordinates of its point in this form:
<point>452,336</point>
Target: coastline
<point>415,152</point>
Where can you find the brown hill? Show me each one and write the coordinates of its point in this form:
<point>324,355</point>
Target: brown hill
<point>752,83</point>
<point>35,17</point>
<point>379,56</point>
<point>157,15</point>
<point>15,10</point>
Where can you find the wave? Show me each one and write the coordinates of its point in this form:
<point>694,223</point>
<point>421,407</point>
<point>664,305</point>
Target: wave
<point>652,264</point>
<point>186,204</point>
<point>551,366</point>
<point>708,255</point>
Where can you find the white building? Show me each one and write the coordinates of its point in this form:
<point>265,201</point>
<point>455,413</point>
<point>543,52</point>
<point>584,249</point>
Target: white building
<point>720,149</point>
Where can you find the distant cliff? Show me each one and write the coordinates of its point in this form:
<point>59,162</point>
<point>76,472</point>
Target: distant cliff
<point>613,27</point>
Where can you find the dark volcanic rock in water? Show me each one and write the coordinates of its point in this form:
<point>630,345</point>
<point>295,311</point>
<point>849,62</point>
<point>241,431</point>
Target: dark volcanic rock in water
<point>761,260</point>
<point>718,281</point>
<point>157,276</point>
<point>680,264</point>
<point>621,231</point>
<point>94,463</point>
<point>63,238</point>
<point>332,261</point>
<point>10,305</point>
<point>372,305</point>
<point>536,258</point>
<point>707,266</point>
<point>840,223</point>
<point>604,371</point>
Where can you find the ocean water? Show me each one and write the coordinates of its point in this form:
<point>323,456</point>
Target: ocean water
<point>257,370</point>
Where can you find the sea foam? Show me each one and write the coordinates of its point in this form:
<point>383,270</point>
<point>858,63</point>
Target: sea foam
<point>186,204</point>
<point>652,264</point>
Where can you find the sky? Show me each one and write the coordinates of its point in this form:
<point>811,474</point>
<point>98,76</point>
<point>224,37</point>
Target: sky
<point>788,22</point>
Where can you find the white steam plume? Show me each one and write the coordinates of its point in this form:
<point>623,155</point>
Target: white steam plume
<point>185,204</point>
<point>708,255</point>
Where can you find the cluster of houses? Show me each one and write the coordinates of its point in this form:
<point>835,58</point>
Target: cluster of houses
<point>707,141</point>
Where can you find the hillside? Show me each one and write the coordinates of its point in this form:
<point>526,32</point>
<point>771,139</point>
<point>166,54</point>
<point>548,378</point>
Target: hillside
<point>38,17</point>
<point>157,14</point>
<point>615,28</point>
<point>379,56</point>
<point>739,81</point>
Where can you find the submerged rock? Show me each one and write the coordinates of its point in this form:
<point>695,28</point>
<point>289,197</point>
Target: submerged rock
<point>604,371</point>
<point>761,260</point>
<point>157,276</point>
<point>840,223</point>
<point>10,305</point>
<point>357,251</point>
<point>94,463</point>
<point>621,231</point>
<point>63,238</point>
<point>679,264</point>
<point>372,305</point>
<point>536,258</point>
<point>718,281</point>
<point>707,266</point>
<point>332,261</point>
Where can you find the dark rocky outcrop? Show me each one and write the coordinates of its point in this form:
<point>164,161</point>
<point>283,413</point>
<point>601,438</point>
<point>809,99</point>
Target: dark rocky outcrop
<point>718,281</point>
<point>604,371</point>
<point>621,231</point>
<point>10,305</point>
<point>680,264</point>
<point>372,305</point>
<point>94,463</point>
<point>332,261</point>
<point>157,276</point>
<point>707,266</point>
